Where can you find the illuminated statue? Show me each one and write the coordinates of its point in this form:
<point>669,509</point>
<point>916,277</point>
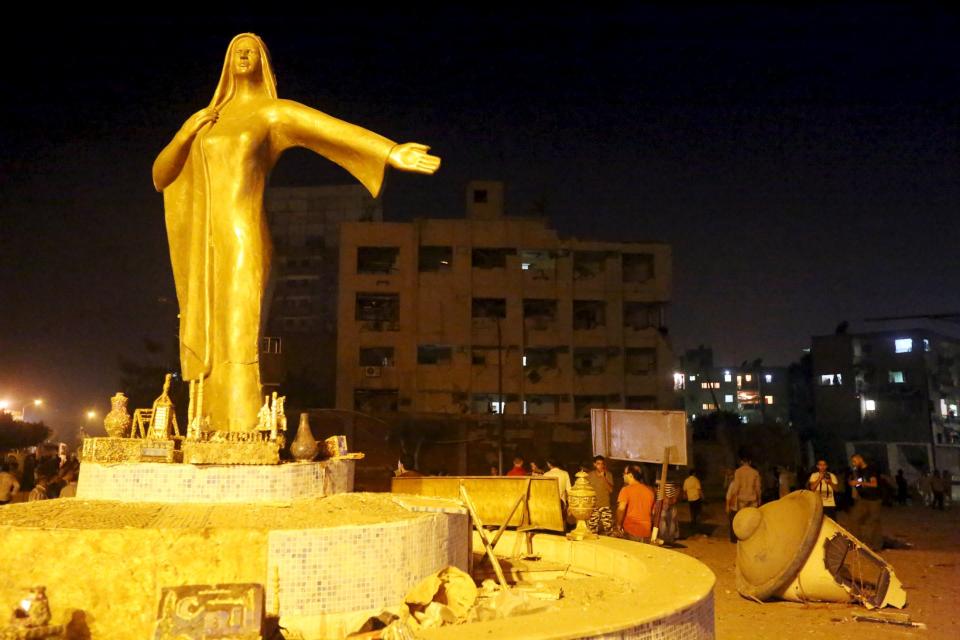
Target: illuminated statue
<point>212,175</point>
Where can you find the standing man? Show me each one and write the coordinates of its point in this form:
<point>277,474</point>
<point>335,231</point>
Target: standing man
<point>824,484</point>
<point>693,493</point>
<point>9,486</point>
<point>601,520</point>
<point>634,506</point>
<point>563,479</point>
<point>744,491</point>
<point>517,469</point>
<point>865,514</point>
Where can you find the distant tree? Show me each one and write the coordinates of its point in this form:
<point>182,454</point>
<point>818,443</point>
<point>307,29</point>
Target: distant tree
<point>17,435</point>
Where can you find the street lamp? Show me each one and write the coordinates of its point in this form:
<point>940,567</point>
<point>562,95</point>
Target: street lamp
<point>37,403</point>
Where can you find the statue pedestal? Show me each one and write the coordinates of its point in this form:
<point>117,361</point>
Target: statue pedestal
<point>146,482</point>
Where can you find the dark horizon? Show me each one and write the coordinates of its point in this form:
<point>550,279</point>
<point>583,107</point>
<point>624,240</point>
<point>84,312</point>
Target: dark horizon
<point>803,164</point>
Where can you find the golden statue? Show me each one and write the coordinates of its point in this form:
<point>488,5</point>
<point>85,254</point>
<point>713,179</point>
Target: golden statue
<point>212,175</point>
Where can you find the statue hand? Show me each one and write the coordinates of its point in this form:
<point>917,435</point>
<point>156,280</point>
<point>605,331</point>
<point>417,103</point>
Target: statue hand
<point>412,156</point>
<point>198,120</point>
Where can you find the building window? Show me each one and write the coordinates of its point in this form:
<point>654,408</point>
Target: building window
<point>480,196</point>
<point>271,344</point>
<point>540,358</point>
<point>768,377</point>
<point>728,398</point>
<point>748,377</point>
<point>589,361</point>
<point>677,378</point>
<point>485,356</point>
<point>376,400</point>
<point>768,399</point>
<point>869,405</point>
<point>640,315</point>
<point>709,385</point>
<point>539,314</point>
<point>380,311</point>
<point>588,264</point>
<point>545,405</point>
<point>638,267</point>
<point>489,308</point>
<point>903,345</point>
<point>641,402</point>
<point>831,380</point>
<point>434,354</point>
<point>727,376</point>
<point>377,259</point>
<point>433,259</point>
<point>643,361</point>
<point>693,378</point>
<point>540,264</point>
<point>589,314</point>
<point>709,406</point>
<point>895,377</point>
<point>376,356</point>
<point>926,345</point>
<point>490,258</point>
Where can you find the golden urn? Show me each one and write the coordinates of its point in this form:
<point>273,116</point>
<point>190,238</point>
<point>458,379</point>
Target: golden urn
<point>582,500</point>
<point>304,447</point>
<point>117,422</point>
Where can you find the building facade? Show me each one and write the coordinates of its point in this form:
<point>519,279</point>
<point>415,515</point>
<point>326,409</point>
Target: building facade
<point>300,317</point>
<point>492,314</point>
<point>759,394</point>
<point>891,394</point>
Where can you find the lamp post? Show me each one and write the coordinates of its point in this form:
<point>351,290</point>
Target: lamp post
<point>37,403</point>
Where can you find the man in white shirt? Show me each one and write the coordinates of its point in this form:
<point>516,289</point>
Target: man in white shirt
<point>824,484</point>
<point>744,491</point>
<point>693,493</point>
<point>563,478</point>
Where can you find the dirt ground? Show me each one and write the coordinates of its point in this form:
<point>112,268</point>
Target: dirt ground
<point>929,571</point>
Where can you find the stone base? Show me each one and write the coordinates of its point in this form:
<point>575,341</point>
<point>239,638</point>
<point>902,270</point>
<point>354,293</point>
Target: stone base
<point>265,452</point>
<point>188,483</point>
<point>327,563</point>
<point>116,450</point>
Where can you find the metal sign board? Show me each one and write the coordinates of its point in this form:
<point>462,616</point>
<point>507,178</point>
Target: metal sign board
<point>639,436</point>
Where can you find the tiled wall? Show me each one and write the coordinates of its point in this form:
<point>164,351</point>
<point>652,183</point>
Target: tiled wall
<point>322,571</point>
<point>149,482</point>
<point>695,623</point>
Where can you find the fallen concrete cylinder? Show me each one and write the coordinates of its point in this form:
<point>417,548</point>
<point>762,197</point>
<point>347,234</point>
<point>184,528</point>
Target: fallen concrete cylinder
<point>788,550</point>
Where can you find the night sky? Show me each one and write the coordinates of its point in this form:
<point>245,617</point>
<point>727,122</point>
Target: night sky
<point>804,164</point>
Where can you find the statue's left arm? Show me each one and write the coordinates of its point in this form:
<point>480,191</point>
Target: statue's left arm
<point>363,153</point>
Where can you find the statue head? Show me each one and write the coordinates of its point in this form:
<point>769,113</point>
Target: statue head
<point>246,55</point>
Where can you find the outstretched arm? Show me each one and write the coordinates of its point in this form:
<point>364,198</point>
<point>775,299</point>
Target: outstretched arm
<point>363,153</point>
<point>170,162</point>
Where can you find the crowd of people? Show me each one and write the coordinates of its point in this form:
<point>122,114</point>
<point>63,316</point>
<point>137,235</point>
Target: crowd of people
<point>32,476</point>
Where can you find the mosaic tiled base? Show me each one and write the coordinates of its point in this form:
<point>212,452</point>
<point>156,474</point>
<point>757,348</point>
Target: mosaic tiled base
<point>113,559</point>
<point>695,623</point>
<point>190,483</point>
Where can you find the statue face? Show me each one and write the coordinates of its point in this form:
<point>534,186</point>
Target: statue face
<point>246,57</point>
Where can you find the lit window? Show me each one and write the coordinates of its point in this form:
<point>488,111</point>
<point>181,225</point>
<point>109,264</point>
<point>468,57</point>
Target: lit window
<point>524,360</point>
<point>869,405</point>
<point>692,378</point>
<point>739,381</point>
<point>926,345</point>
<point>768,377</point>
<point>896,377</point>
<point>768,399</point>
<point>496,407</point>
<point>677,381</point>
<point>525,266</point>
<point>903,345</point>
<point>943,407</point>
<point>524,406</point>
<point>709,406</point>
<point>693,416</point>
<point>831,379</point>
<point>709,385</point>
<point>748,377</point>
<point>727,377</point>
<point>728,398</point>
<point>953,410</point>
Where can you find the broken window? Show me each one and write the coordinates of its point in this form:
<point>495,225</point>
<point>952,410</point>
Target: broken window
<point>589,314</point>
<point>495,258</point>
<point>588,264</point>
<point>637,267</point>
<point>376,356</point>
<point>378,311</point>
<point>589,361</point>
<point>435,259</point>
<point>641,361</point>
<point>539,314</point>
<point>489,308</point>
<point>377,259</point>
<point>540,264</point>
<point>376,400</point>
<point>640,315</point>
<point>641,402</point>
<point>434,354</point>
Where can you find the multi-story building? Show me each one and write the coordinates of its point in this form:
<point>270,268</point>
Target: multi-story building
<point>891,394</point>
<point>493,314</point>
<point>301,319</point>
<point>758,393</point>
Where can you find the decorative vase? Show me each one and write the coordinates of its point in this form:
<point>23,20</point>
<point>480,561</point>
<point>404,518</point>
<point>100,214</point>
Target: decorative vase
<point>117,422</point>
<point>582,500</point>
<point>304,447</point>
